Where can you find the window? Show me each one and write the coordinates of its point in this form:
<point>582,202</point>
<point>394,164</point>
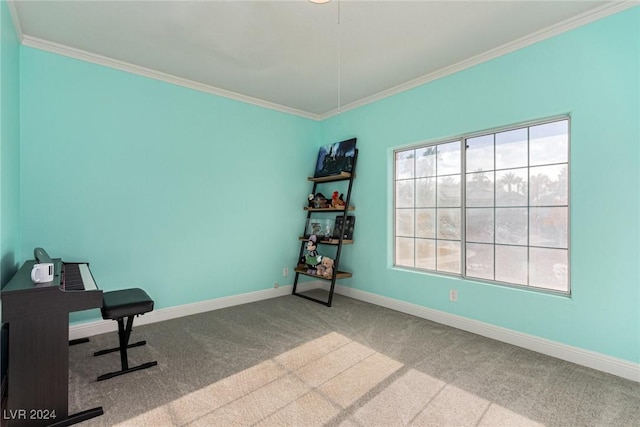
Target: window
<point>492,206</point>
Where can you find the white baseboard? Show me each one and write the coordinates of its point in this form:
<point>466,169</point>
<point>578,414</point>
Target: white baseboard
<point>590,359</point>
<point>83,330</point>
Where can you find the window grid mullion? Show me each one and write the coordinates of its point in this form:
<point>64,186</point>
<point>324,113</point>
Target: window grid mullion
<point>415,220</point>
<point>435,211</point>
<point>528,206</point>
<point>463,207</point>
<point>495,190</point>
<point>509,223</point>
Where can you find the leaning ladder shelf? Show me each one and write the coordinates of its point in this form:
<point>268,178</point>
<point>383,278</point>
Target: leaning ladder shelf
<point>337,274</point>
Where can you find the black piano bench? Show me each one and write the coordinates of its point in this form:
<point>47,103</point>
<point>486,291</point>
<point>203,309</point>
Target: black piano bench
<point>116,305</point>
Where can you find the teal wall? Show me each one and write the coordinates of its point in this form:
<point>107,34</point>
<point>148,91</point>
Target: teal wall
<point>9,146</point>
<point>188,195</point>
<point>592,73</point>
<point>195,197</point>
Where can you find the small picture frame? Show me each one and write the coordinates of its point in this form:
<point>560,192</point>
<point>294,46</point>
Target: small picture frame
<point>323,228</point>
<point>348,230</point>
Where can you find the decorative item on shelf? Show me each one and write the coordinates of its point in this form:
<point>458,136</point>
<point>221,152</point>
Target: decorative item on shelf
<point>325,268</point>
<point>311,259</point>
<point>336,158</point>
<point>318,201</point>
<point>322,228</point>
<point>337,201</point>
<point>348,229</point>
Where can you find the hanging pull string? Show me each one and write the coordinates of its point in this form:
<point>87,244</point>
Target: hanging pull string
<point>339,59</point>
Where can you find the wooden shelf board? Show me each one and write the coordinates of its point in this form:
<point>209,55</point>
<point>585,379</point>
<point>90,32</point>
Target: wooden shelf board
<point>339,275</point>
<point>340,177</point>
<point>329,242</point>
<point>306,208</point>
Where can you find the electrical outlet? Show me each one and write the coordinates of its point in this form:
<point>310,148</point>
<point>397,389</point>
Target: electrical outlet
<point>453,295</point>
<point>275,285</point>
<point>285,272</point>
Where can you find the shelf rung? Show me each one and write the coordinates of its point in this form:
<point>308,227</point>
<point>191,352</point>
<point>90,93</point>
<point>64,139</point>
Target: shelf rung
<point>312,299</point>
<point>329,242</point>
<point>339,274</point>
<point>338,177</point>
<point>307,208</point>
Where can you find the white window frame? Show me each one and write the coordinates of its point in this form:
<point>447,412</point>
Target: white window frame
<point>463,209</point>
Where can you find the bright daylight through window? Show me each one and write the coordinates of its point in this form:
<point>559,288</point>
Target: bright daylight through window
<point>493,206</point>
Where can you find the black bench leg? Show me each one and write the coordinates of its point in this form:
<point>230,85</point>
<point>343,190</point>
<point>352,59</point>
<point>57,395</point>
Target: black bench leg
<point>123,337</point>
<point>126,371</point>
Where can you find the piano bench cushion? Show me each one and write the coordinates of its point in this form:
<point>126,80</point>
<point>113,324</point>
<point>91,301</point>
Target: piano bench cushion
<point>125,302</point>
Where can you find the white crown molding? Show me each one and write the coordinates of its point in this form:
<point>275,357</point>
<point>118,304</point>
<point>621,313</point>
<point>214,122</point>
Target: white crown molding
<point>569,24</point>
<point>590,359</point>
<point>86,56</point>
<point>546,33</point>
<point>16,22</point>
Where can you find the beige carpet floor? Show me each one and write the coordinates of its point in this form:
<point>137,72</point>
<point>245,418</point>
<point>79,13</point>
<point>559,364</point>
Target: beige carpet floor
<point>291,362</point>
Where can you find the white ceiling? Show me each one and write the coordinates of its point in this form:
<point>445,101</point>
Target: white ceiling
<point>293,55</point>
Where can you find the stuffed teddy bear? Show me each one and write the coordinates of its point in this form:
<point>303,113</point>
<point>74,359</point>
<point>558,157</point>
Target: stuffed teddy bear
<point>325,269</point>
<point>320,267</point>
